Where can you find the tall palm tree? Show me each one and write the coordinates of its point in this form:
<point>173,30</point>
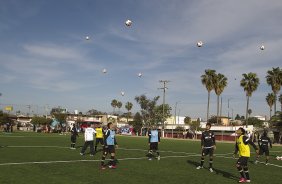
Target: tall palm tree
<point>250,84</point>
<point>220,82</point>
<point>207,80</point>
<point>270,98</point>
<point>128,107</point>
<point>274,79</point>
<point>114,104</point>
<point>280,100</point>
<point>119,105</point>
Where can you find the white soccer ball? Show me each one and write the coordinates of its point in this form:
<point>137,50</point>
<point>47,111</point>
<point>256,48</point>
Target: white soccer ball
<point>139,74</point>
<point>200,44</point>
<point>262,47</point>
<point>122,93</point>
<point>87,38</point>
<point>128,23</point>
<point>104,70</point>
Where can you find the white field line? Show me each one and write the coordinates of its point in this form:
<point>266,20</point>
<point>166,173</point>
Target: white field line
<point>259,162</point>
<point>127,149</point>
<point>73,161</point>
<point>121,159</point>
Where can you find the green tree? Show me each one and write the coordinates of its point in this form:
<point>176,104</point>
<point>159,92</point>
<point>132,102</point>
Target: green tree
<point>270,98</point>
<point>114,104</point>
<point>128,107</point>
<point>219,82</point>
<point>119,105</point>
<point>255,121</point>
<point>37,120</point>
<point>187,120</point>
<point>4,118</point>
<point>207,80</point>
<point>274,79</point>
<point>151,113</point>
<point>60,117</point>
<point>195,126</point>
<point>137,122</point>
<point>250,112</point>
<point>94,112</point>
<point>213,120</point>
<point>250,84</point>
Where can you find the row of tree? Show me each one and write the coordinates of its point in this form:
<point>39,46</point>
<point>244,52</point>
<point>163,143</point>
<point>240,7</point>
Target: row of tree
<point>250,82</point>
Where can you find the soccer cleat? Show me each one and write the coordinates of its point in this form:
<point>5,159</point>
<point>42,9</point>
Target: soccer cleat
<point>199,167</point>
<point>242,180</point>
<point>112,166</point>
<point>248,181</point>
<point>150,159</point>
<point>211,170</point>
<point>81,154</point>
<point>159,157</point>
<point>266,163</point>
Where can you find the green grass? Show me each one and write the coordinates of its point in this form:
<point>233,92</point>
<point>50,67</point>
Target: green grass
<point>177,165</point>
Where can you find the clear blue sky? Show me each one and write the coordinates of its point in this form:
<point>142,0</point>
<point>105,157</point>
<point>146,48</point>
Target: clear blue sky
<point>45,58</point>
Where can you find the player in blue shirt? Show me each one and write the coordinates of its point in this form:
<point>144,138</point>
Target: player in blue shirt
<point>154,140</point>
<point>109,146</point>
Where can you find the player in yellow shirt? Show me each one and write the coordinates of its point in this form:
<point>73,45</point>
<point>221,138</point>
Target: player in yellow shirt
<point>99,136</point>
<point>242,147</point>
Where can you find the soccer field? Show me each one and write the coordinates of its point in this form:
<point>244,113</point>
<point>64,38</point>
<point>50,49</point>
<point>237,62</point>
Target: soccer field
<point>46,158</point>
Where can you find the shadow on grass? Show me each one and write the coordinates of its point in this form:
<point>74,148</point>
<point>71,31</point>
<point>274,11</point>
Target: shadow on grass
<point>216,171</point>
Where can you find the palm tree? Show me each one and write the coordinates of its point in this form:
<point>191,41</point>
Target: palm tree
<point>119,105</point>
<point>114,104</point>
<point>250,112</point>
<point>270,98</point>
<point>207,81</point>
<point>128,107</point>
<point>280,100</point>
<point>274,79</point>
<point>220,82</point>
<point>250,84</point>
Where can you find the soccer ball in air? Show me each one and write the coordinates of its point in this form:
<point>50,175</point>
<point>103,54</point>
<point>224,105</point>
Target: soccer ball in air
<point>122,93</point>
<point>139,74</point>
<point>104,70</point>
<point>200,44</point>
<point>262,47</point>
<point>87,38</point>
<point>128,23</point>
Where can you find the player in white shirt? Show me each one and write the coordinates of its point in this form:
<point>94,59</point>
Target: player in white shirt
<point>89,140</point>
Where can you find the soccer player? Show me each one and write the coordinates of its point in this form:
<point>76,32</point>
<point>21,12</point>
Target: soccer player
<point>242,146</point>
<point>89,140</point>
<point>263,147</point>
<point>99,136</point>
<point>208,146</point>
<point>154,140</point>
<point>74,135</point>
<point>109,146</point>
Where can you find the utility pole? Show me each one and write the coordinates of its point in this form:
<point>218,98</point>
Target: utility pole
<point>164,89</point>
<point>228,107</point>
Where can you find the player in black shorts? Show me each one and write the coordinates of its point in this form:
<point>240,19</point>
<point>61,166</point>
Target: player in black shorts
<point>74,135</point>
<point>263,147</point>
<point>208,146</point>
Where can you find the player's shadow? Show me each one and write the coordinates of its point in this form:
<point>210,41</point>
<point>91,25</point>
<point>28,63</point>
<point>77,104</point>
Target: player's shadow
<point>191,162</point>
<point>226,174</point>
<point>217,171</point>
